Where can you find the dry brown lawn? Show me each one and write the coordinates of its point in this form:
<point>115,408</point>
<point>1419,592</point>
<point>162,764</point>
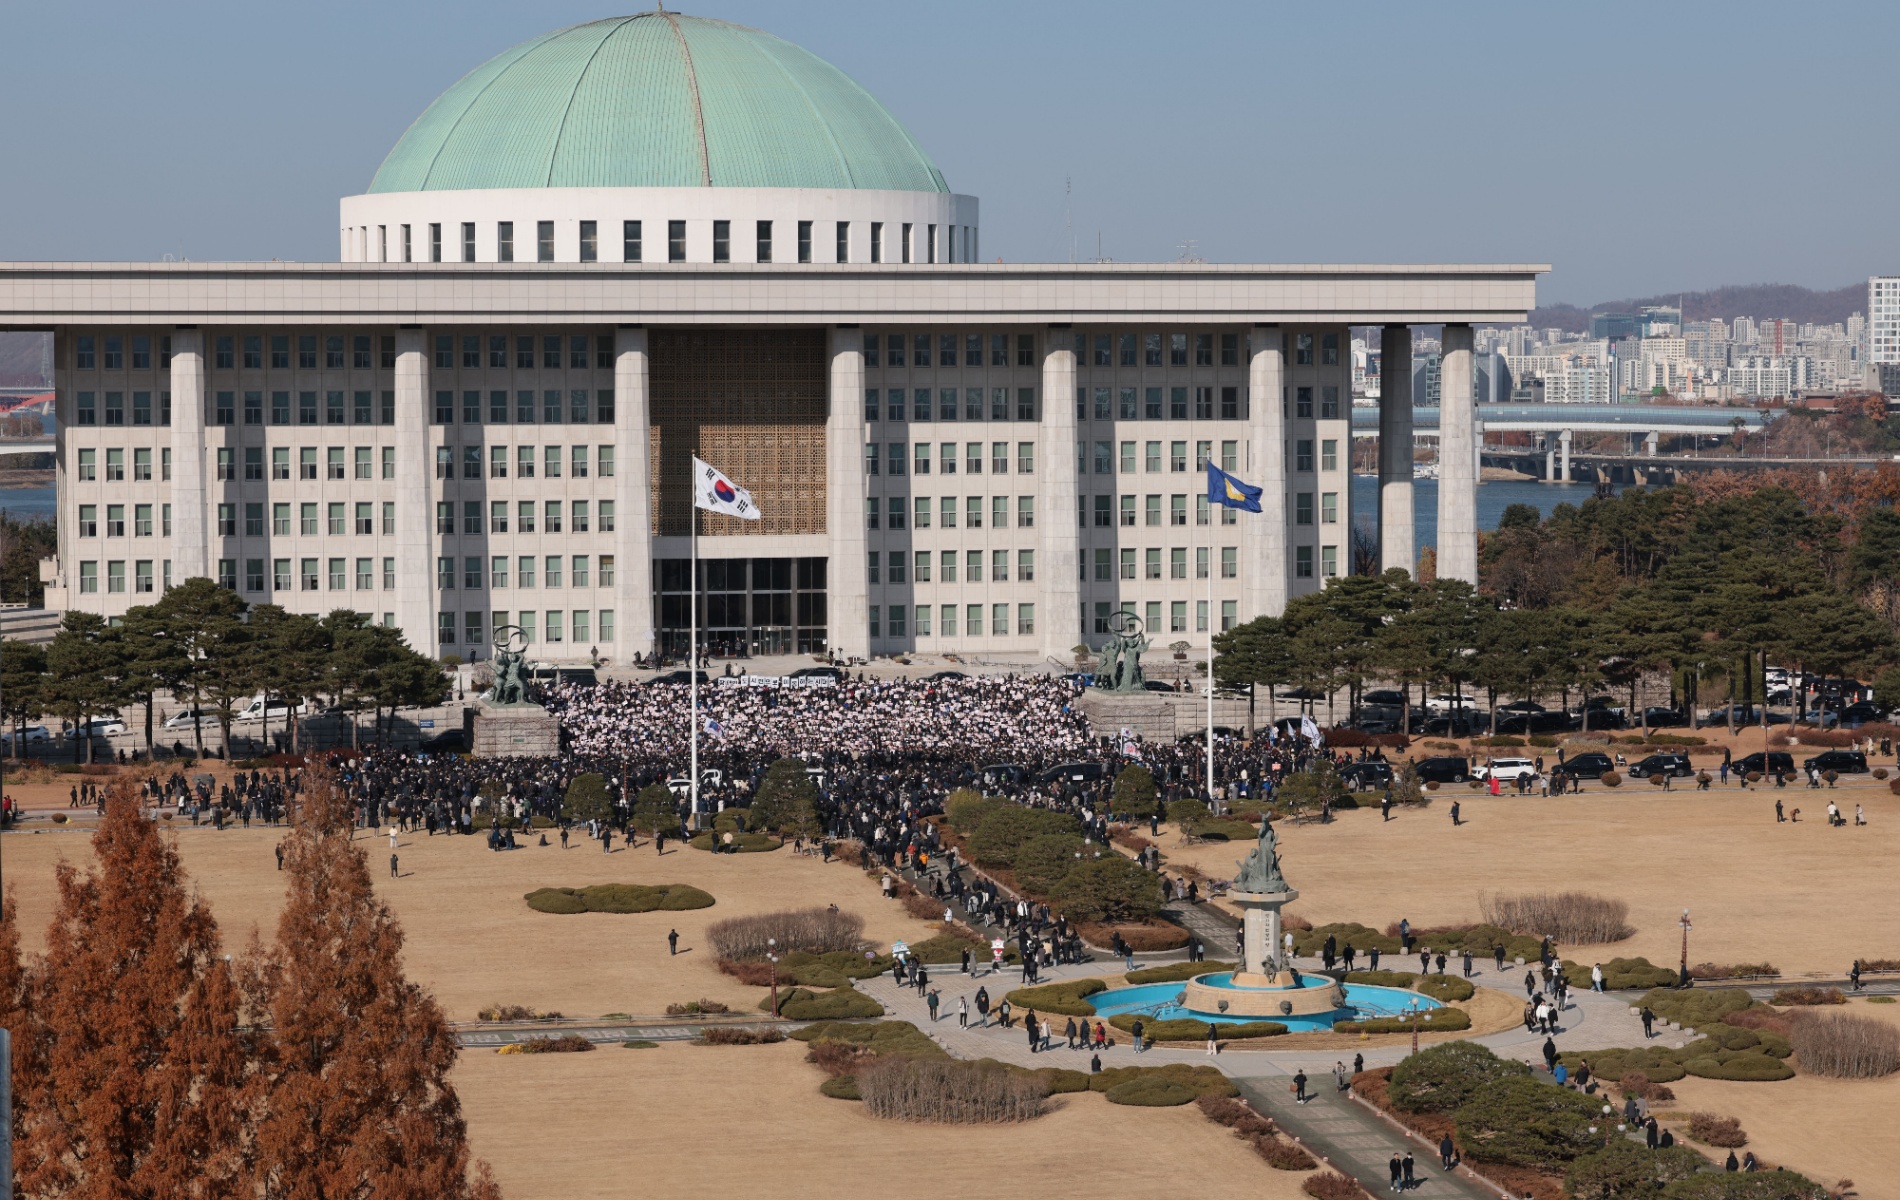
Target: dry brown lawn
<point>1803,896</point>
<point>471,938</point>
<point>725,1121</point>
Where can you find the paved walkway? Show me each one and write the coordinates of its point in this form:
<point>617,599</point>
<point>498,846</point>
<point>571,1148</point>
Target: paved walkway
<point>1349,1134</point>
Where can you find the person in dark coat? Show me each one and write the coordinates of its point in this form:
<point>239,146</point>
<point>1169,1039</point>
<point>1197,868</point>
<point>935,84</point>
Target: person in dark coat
<point>1447,1153</point>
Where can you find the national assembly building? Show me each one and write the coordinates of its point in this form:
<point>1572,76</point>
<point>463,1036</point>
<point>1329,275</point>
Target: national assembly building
<point>635,241</point>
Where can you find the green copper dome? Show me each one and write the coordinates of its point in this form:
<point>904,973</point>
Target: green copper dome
<point>656,100</point>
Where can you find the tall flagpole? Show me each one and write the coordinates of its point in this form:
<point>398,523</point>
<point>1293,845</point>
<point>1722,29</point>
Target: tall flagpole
<point>692,649</point>
<point>1210,652</point>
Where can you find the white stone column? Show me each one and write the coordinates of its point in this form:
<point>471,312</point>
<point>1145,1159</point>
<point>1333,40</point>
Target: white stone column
<point>1265,540</point>
<point>1563,457</point>
<point>1550,464</point>
<point>1396,533</point>
<point>415,495</point>
<point>1060,620</point>
<point>1457,461</point>
<point>633,494</point>
<point>191,558</point>
<point>847,605</point>
<point>1649,444</point>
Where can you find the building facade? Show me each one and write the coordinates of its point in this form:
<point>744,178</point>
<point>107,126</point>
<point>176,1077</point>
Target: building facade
<point>635,241</point>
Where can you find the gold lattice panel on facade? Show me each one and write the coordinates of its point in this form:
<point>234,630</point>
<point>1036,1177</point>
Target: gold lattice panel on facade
<point>751,403</point>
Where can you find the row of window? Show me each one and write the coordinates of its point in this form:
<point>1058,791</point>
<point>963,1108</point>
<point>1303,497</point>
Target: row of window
<point>893,404</point>
<point>495,571</point>
<point>896,620</point>
<point>1177,615</point>
<point>900,566</point>
<point>916,349</point>
<point>115,520</point>
<point>1108,461</point>
<point>897,512</point>
<point>1112,564</point>
<point>86,465</point>
<point>580,410</point>
<point>946,243</point>
<point>1120,404</point>
<point>578,625</point>
<point>108,351</point>
<point>1108,514</point>
<point>524,462</point>
<point>1130,349</point>
<point>947,459</point>
<point>87,409</point>
<point>551,512</point>
<point>142,580</point>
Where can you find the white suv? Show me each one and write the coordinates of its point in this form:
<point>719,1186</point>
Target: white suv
<point>1446,703</point>
<point>1506,769</point>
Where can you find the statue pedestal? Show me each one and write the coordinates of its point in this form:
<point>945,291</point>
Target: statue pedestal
<point>1261,931</point>
<point>1147,715</point>
<point>513,731</point>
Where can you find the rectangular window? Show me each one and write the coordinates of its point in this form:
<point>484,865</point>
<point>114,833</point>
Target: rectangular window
<point>1303,354</point>
<point>1329,455</point>
<point>606,511</point>
<point>1104,512</point>
<point>1229,562</point>
<point>551,516</point>
<point>1177,562</point>
<point>1151,563</point>
<point>306,352</point>
<point>280,520</point>
<point>763,236</point>
<point>365,518</point>
<point>1303,508</point>
<point>1128,562</point>
<point>551,407</point>
<point>1329,403</point>
<point>842,250</point>
<point>472,517</point>
<point>333,462</point>
<point>336,522</point>
<point>551,462</point>
<point>1303,454</point>
<point>1128,512</point>
<point>1177,614</point>
<point>444,517</point>
<point>1177,510</point>
<point>389,576</point>
<point>1329,508</point>
<point>472,576</point>
<point>339,576</point>
<point>1329,561</point>
<point>1178,403</point>
<point>524,571</point>
<point>804,241</point>
<point>877,241</point>
<point>308,575</point>
<point>505,241</point>
<point>389,518</point>
<point>115,409</point>
<point>676,241</point>
<point>590,241</point>
<point>722,241</point>
<point>630,241</point>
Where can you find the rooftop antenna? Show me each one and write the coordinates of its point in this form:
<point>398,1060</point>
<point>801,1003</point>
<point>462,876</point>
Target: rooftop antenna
<point>1190,252</point>
<point>1068,213</point>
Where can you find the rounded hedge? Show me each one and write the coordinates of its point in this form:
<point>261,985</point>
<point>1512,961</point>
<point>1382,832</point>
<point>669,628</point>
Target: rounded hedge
<point>1065,999</point>
<point>1151,1093</point>
<point>1155,1029</point>
<point>1174,972</point>
<point>745,843</point>
<point>1610,779</point>
<point>1743,1067</point>
<point>840,1087</point>
<point>838,1004</point>
<point>619,898</point>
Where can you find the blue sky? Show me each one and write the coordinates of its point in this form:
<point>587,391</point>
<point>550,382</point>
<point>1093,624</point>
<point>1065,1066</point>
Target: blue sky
<point>1638,147</point>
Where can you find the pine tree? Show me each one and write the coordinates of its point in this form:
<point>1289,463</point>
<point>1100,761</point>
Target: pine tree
<point>138,1072</point>
<point>356,1100</point>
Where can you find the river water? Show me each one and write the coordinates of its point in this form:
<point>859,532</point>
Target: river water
<point>1493,499</point>
<point>28,503</point>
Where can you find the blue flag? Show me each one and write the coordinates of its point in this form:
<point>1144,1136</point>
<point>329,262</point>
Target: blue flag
<point>1224,489</point>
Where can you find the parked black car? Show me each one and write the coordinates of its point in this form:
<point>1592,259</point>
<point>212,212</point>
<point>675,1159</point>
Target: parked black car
<point>1662,764</point>
<point>835,674</point>
<point>1842,762</point>
<point>1537,722</point>
<point>1369,776</point>
<point>1772,763</point>
<point>1445,769</point>
<point>1586,766</point>
<point>449,741</point>
<point>1856,715</point>
<point>1664,718</point>
<point>681,677</point>
<point>1082,772</point>
<point>1455,725</point>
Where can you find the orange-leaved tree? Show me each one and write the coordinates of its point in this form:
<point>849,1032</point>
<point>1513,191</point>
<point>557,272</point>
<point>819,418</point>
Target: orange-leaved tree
<point>355,1099</point>
<point>137,1076</point>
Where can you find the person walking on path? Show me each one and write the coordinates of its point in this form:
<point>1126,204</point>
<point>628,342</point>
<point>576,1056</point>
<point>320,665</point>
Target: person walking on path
<point>1358,1063</point>
<point>280,856</point>
<point>1068,1031</point>
<point>1779,816</point>
<point>1550,1055</point>
<point>1649,1022</point>
<point>607,841</point>
<point>393,873</point>
<point>1454,806</point>
<point>963,1013</point>
<point>1447,1153</point>
<point>932,1000</point>
<point>1299,1087</point>
<point>1045,1033</point>
<point>1596,977</point>
<point>1650,1138</point>
<point>983,1007</point>
<point>1339,1076</point>
<point>1860,815</point>
<point>1467,962</point>
<point>1397,1169</point>
<point>1136,1032</point>
<point>672,941</point>
<point>1213,1043</point>
<point>1853,975</point>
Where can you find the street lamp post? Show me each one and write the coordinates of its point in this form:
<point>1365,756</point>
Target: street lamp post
<point>771,954</point>
<point>1417,1014</point>
<point>1682,979</point>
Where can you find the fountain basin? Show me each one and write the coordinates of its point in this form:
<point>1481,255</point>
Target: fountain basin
<point>1262,997</point>
<point>1347,1002</point>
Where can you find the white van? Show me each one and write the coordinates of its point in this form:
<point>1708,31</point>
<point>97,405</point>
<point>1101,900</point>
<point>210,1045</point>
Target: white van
<point>280,710</point>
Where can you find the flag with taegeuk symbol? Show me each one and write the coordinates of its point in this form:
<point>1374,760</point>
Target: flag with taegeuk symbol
<point>716,493</point>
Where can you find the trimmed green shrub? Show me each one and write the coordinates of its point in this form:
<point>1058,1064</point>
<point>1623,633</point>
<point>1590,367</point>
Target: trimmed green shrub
<point>1625,1170</point>
<point>1171,972</point>
<point>1443,1077</point>
<point>949,947</point>
<point>965,808</point>
<point>1067,999</point>
<point>1658,1064</point>
<point>1523,1122</point>
<point>1135,795</point>
<point>744,843</point>
<point>1005,828</point>
<point>619,898</point>
<point>1745,1185</point>
<point>587,799</point>
<point>1445,989</point>
<point>885,1038</point>
<point>1186,812</point>
<point>1620,974</point>
<point>838,1004</point>
<point>1198,1081</point>
<point>641,1044</point>
<point>836,969</point>
<point>1222,829</point>
<point>1696,1007</point>
<point>840,1087</point>
<point>787,800</point>
<point>1742,1066</point>
<point>1110,889</point>
<point>1061,1080</point>
<point>1195,1030</point>
<point>1442,1020</point>
<point>1151,1093</point>
<point>1043,861</point>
